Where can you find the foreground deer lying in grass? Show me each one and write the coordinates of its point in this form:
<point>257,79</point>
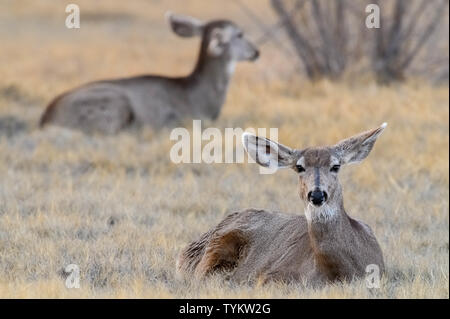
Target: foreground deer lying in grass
<point>111,105</point>
<point>324,245</point>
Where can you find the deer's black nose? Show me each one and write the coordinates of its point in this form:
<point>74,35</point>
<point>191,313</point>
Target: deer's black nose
<point>317,197</point>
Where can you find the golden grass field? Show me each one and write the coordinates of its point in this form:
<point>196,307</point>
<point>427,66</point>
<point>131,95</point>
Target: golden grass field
<point>117,206</point>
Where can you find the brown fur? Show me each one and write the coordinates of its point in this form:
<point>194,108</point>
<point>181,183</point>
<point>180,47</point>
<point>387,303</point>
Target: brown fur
<point>47,115</point>
<point>325,246</point>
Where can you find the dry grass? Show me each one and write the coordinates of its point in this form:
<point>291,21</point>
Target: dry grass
<point>118,207</point>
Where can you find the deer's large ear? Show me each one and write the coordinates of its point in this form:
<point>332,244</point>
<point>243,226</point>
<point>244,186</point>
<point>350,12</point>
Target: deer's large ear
<point>268,153</point>
<point>358,147</point>
<point>184,26</point>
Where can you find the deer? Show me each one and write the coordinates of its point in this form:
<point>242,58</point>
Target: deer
<point>109,106</point>
<point>323,245</point>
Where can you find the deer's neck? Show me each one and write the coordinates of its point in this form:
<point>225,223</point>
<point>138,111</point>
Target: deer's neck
<point>328,227</point>
<point>208,84</point>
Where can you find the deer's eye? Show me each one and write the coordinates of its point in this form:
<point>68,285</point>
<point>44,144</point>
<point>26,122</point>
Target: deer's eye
<point>335,168</point>
<point>240,35</point>
<point>300,168</point>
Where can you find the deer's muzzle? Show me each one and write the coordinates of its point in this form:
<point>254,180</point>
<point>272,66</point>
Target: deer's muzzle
<point>317,197</point>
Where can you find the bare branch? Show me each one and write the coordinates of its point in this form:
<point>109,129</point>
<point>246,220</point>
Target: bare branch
<point>301,45</point>
<point>434,22</point>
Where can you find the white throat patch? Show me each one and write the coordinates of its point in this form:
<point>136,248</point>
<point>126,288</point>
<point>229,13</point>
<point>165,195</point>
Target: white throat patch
<point>322,214</point>
<point>230,67</point>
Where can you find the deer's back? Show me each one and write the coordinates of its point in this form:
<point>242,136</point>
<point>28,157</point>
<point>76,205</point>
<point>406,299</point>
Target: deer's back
<point>257,244</point>
<point>262,245</point>
<point>144,100</point>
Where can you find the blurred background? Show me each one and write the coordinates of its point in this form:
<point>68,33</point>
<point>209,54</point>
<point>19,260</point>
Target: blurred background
<point>117,206</point>
<point>307,39</point>
<point>300,40</point>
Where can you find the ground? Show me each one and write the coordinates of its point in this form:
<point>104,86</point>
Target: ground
<point>121,210</point>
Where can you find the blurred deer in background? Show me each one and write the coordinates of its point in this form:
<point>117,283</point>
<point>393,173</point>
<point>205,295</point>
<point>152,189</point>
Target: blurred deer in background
<point>111,105</point>
<point>324,245</point>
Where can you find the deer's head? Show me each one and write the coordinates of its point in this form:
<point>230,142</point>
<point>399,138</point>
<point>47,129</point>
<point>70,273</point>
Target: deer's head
<point>220,38</point>
<point>317,167</point>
